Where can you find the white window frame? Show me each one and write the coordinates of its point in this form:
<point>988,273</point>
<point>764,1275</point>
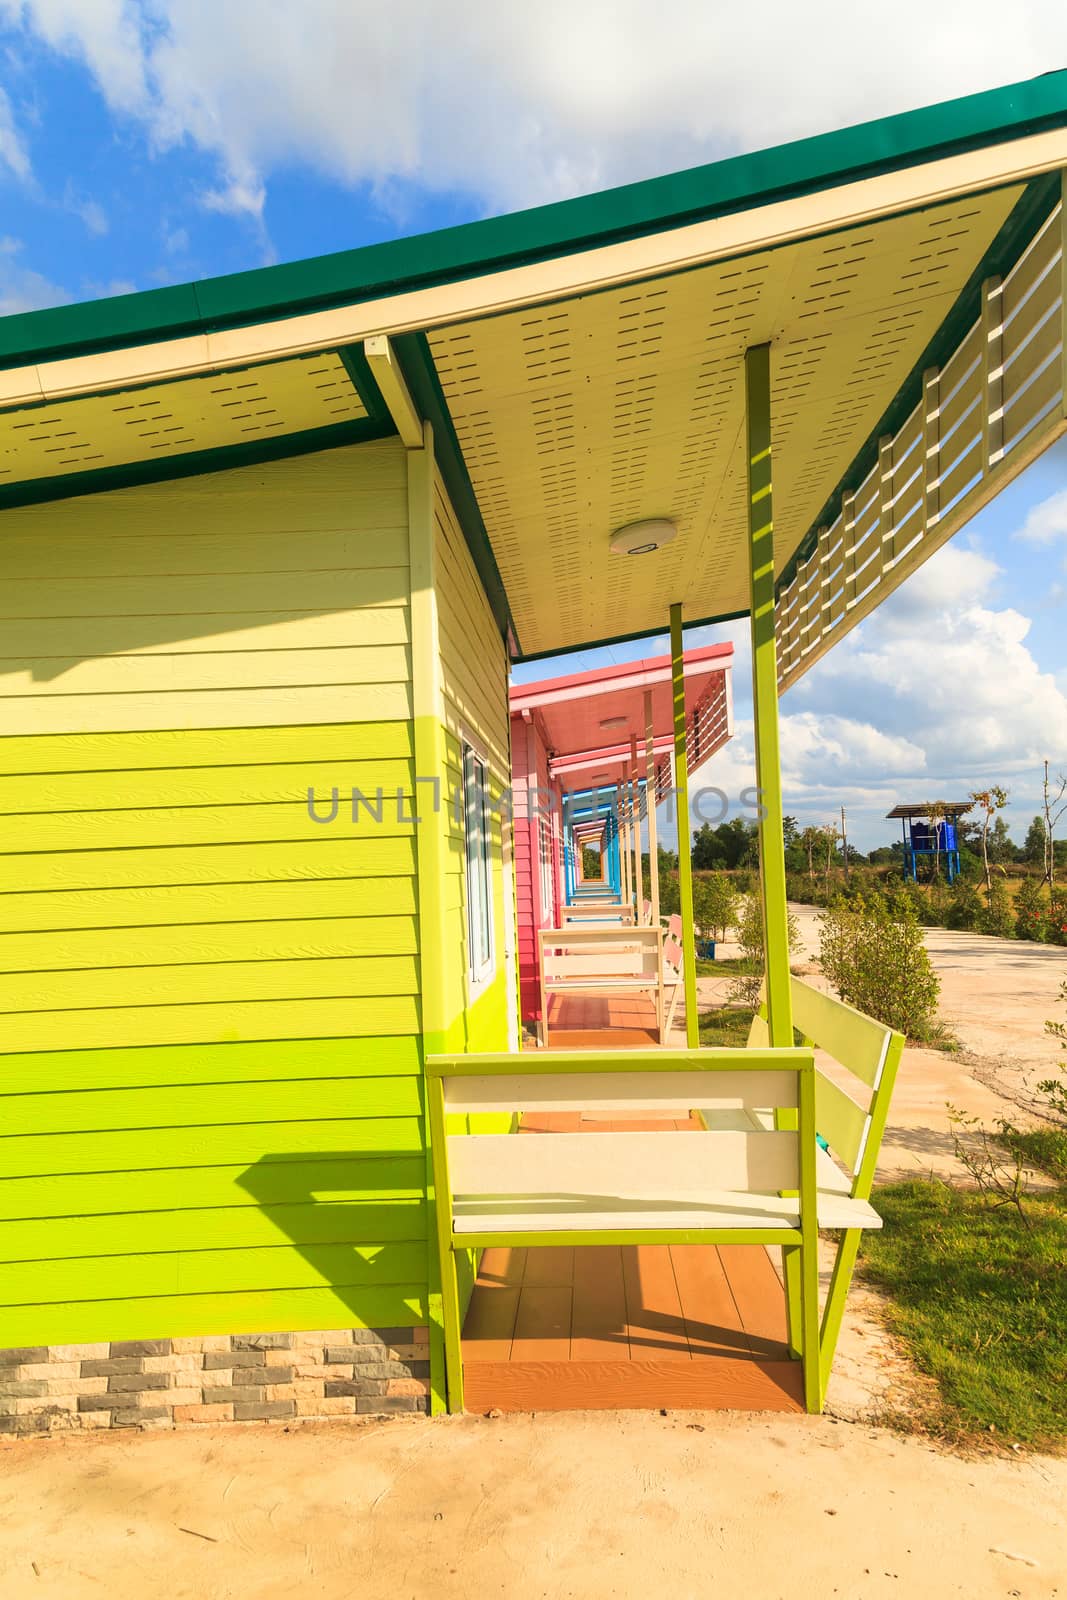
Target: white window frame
<point>480,971</point>
<point>546,867</point>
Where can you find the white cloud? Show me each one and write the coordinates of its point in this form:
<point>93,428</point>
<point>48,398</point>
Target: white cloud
<point>1046,521</point>
<point>13,152</point>
<point>948,670</point>
<point>519,103</point>
<point>90,211</point>
<point>22,289</point>
<point>934,695</point>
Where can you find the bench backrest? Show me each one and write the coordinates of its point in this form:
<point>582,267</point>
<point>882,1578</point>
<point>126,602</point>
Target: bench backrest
<point>599,951</point>
<point>756,1161</point>
<point>667,1093</point>
<point>851,1119</point>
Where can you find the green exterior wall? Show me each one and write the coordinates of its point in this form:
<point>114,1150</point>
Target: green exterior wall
<point>211,1096</point>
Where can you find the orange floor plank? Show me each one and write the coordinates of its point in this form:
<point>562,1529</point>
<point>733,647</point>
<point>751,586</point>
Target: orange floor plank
<point>595,1022</point>
<point>655,1324</point>
<point>599,1327</point>
<point>611,1327</point>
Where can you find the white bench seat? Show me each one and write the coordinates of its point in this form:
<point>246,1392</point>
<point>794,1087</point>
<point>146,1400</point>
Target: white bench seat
<point>562,1182</point>
<point>829,1175</point>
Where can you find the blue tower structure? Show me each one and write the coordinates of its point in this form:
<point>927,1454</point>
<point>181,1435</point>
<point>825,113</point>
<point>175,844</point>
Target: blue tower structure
<point>931,830</point>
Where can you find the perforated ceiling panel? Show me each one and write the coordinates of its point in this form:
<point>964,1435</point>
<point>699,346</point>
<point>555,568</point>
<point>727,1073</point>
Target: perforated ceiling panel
<point>578,417</point>
<point>176,418</point>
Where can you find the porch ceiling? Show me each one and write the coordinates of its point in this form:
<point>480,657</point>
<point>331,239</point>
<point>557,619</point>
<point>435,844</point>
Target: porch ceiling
<point>162,421</point>
<point>582,415</point>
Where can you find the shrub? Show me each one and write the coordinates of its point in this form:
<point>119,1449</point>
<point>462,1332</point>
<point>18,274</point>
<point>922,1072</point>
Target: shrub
<point>907,896</point>
<point>874,956</point>
<point>1057,917</point>
<point>746,985</point>
<point>715,904</point>
<point>998,916</point>
<point>965,906</point>
<point>670,900</point>
<point>1031,911</point>
<point>937,903</point>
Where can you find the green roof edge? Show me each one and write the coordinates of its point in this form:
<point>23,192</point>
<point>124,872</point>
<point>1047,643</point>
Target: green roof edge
<point>567,226</point>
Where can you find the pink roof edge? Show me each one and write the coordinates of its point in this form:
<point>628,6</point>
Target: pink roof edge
<point>616,676</point>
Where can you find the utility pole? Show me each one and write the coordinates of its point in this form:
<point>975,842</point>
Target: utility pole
<point>844,842</point>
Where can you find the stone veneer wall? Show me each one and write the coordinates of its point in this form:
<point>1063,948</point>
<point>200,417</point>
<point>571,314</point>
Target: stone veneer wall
<point>166,1383</point>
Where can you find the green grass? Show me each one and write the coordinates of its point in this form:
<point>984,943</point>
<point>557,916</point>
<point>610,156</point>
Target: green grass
<point>979,1296</point>
<point>719,969</point>
<point>726,1026</point>
<point>1044,1148</point>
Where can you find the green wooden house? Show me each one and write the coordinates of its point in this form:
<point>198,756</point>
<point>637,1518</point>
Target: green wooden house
<point>268,544</point>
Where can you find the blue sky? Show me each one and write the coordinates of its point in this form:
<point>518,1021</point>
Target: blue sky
<point>145,142</point>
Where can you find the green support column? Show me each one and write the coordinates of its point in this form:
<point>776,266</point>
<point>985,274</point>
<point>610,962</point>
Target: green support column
<point>765,693</point>
<point>685,843</point>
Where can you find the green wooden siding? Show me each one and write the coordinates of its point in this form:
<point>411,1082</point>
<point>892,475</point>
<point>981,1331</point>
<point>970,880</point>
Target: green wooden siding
<point>211,1104</point>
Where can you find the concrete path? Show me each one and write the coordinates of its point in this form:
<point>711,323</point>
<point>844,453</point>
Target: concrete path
<point>585,1506</point>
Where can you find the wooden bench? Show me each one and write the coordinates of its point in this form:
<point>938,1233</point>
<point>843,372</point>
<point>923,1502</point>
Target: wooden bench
<point>601,960</point>
<point>757,1175</point>
<point>606,911</point>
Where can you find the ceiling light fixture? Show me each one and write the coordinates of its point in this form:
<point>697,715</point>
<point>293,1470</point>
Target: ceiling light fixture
<point>613,722</point>
<point>640,538</point>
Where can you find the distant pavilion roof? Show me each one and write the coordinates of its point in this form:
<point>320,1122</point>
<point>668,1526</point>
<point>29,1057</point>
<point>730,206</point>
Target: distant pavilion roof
<point>946,808</point>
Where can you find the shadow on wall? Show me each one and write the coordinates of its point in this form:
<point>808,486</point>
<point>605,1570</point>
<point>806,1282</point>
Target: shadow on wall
<point>358,1220</point>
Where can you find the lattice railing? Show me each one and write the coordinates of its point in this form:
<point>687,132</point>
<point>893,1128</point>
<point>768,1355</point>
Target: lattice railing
<point>996,404</point>
<point>708,724</point>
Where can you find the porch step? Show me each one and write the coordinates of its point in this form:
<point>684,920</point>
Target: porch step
<point>721,1383</point>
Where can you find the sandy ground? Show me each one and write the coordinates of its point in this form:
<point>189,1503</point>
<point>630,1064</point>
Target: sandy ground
<point>592,1505</point>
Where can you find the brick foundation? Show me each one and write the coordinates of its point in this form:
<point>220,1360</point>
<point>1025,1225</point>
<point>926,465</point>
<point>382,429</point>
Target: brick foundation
<point>254,1377</point>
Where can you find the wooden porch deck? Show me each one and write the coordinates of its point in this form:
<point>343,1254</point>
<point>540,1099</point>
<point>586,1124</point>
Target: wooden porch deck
<point>602,1022</point>
<point>606,1327</point>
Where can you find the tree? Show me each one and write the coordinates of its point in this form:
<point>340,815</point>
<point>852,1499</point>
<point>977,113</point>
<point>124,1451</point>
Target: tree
<point>1001,847</point>
<point>708,851</point>
<point>1034,843</point>
<point>1054,805</point>
<point>730,845</point>
<point>811,838</point>
<point>989,802</point>
<point>790,831</point>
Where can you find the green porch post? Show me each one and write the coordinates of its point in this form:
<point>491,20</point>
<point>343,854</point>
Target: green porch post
<point>765,694</point>
<point>685,843</point>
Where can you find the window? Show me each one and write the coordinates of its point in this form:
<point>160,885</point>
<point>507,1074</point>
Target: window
<point>544,840</point>
<point>479,871</point>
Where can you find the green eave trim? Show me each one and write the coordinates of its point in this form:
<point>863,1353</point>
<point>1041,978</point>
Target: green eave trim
<point>1029,212</point>
<point>412,351</point>
<point>36,491</point>
<point>625,638</point>
<point>656,205</point>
